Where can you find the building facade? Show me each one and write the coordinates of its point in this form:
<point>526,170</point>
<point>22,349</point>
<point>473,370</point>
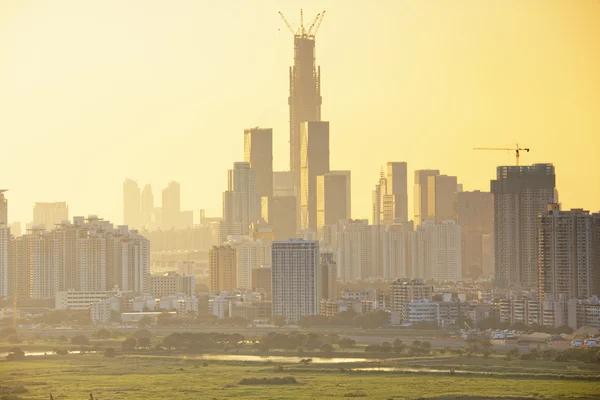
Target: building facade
<point>568,266</point>
<point>314,157</point>
<point>520,193</point>
<point>295,279</point>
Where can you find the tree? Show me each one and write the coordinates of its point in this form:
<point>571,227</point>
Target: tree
<point>109,353</point>
<point>129,344</point>
<point>143,342</point>
<point>14,339</point>
<point>142,333</point>
<point>347,343</point>
<point>385,347</point>
<point>398,346</point>
<point>327,349</point>
<point>80,340</point>
<point>144,322</point>
<point>6,332</point>
<point>15,354</point>
<point>102,334</point>
<point>278,320</point>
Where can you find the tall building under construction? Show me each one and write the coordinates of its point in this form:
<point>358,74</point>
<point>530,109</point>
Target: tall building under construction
<point>305,86</point>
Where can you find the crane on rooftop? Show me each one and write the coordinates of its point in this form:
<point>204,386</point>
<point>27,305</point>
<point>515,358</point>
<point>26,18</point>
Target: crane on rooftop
<point>516,149</point>
<point>313,26</point>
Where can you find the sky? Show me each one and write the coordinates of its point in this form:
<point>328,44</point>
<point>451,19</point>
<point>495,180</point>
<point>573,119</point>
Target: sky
<point>93,92</point>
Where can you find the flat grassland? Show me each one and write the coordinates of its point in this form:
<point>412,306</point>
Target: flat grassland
<point>141,377</point>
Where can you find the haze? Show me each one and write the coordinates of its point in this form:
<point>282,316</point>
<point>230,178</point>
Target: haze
<point>92,93</point>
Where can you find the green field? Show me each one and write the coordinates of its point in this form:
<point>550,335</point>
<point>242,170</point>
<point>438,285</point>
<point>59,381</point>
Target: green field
<point>137,377</point>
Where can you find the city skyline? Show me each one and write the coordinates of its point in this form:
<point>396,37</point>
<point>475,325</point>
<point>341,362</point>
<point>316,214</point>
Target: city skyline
<point>174,117</point>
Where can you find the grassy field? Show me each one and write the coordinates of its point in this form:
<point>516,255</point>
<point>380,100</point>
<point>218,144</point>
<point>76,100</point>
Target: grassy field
<point>134,377</point>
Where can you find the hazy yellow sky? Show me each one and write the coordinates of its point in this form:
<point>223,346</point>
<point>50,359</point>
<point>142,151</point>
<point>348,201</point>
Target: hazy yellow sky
<point>93,92</point>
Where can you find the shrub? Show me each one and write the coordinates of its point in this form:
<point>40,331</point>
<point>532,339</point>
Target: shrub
<point>80,340</point>
<point>14,339</point>
<point>286,380</point>
<point>110,353</point>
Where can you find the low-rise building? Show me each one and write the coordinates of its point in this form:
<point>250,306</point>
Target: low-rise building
<point>80,300</point>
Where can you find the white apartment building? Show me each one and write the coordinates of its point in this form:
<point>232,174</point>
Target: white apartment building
<point>250,255</point>
<point>295,278</point>
<point>439,251</point>
<point>360,250</point>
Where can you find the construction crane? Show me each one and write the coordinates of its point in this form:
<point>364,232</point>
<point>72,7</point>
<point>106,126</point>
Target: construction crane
<point>315,23</point>
<point>516,149</point>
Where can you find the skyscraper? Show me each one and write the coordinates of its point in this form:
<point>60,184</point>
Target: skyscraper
<point>421,194</point>
<point>520,194</point>
<point>222,269</point>
<point>315,162</point>
<point>131,204</point>
<point>476,219</point>
<point>305,92</point>
<point>3,208</point>
<point>568,263</point>
<point>441,197</point>
<point>241,205</point>
<point>146,206</point>
<point>295,279</point>
<point>258,152</point>
<point>4,245</point>
<point>280,214</point>
<point>348,176</point>
<point>332,199</point>
<point>397,187</point>
<point>46,215</point>
<point>171,206</point>
<point>383,202</point>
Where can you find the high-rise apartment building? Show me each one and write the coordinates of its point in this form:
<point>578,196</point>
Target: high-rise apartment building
<point>383,202</point>
<point>332,199</point>
<point>79,256</point>
<point>131,204</point>
<point>441,197</point>
<point>397,187</point>
<point>171,206</point>
<point>250,255</point>
<point>295,279</point>
<point>568,248</point>
<point>258,152</point>
<point>314,162</point>
<point>147,206</point>
<point>360,249</point>
<point>439,251</point>
<point>421,195</point>
<point>305,95</point>
<point>4,270</point>
<point>475,213</point>
<point>520,193</point>
<point>46,215</point>
<point>241,205</point>
<point>222,265</point>
<point>400,251</point>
